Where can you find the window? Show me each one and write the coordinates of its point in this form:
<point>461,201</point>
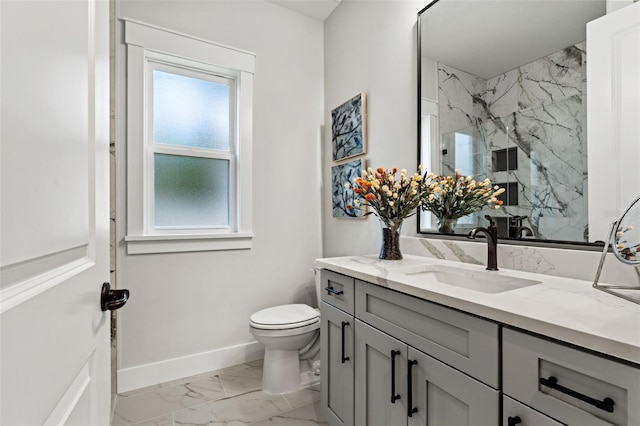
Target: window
<point>504,159</point>
<point>188,143</point>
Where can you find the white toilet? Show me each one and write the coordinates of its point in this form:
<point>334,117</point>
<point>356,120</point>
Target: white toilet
<point>291,336</point>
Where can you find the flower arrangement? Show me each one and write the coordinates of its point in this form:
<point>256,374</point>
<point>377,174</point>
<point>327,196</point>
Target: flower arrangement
<point>392,198</point>
<point>452,197</point>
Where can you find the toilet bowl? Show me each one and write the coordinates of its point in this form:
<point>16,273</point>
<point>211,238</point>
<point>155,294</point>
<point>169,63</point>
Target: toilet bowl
<point>288,333</point>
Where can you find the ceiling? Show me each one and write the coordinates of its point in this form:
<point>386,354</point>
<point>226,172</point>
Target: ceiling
<point>487,38</point>
<point>318,9</point>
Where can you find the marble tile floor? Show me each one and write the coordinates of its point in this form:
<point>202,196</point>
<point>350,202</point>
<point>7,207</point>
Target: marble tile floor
<point>231,396</point>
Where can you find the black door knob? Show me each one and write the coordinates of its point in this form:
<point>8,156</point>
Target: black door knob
<point>112,299</point>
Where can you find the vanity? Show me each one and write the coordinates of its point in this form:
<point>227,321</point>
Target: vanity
<point>430,341</point>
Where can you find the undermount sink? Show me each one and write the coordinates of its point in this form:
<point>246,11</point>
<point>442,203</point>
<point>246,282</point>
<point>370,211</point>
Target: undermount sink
<point>481,281</point>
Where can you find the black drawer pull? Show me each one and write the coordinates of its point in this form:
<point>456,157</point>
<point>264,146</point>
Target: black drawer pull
<point>394,397</point>
<point>411,408</point>
<point>330,290</point>
<point>606,404</point>
<point>344,358</point>
<point>513,421</point>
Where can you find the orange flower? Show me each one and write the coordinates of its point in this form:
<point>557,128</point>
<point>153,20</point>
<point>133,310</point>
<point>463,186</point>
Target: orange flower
<point>369,197</point>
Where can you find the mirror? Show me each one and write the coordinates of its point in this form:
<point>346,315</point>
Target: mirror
<point>626,239</point>
<point>503,96</point>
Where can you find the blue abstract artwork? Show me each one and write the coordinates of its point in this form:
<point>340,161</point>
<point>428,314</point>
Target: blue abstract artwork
<point>343,199</point>
<point>348,128</point>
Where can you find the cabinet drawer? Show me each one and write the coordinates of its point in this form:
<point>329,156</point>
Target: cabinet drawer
<point>513,410</point>
<point>568,384</point>
<point>467,343</point>
<point>337,290</point>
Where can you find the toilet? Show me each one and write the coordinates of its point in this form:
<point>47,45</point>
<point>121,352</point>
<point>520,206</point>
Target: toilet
<point>291,337</point>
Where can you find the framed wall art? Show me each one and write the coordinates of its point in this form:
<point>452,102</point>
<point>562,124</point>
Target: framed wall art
<point>349,128</point>
<point>343,199</point>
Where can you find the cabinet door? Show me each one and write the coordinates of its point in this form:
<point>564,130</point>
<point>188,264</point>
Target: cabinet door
<point>517,414</point>
<point>337,360</point>
<point>379,375</point>
<point>441,395</point>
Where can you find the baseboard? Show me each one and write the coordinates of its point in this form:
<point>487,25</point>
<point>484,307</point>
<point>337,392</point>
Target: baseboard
<point>141,376</point>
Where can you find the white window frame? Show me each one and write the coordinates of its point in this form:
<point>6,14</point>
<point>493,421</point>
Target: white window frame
<point>149,48</point>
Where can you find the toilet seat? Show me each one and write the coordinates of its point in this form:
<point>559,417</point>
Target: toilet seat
<point>284,317</point>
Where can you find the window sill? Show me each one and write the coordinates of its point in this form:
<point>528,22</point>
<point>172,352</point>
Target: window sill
<point>141,244</point>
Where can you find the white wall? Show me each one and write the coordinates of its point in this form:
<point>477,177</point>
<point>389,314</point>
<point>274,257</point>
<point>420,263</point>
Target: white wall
<point>189,312</point>
<point>371,47</point>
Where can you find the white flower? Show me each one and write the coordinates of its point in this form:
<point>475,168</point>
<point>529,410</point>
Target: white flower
<point>347,185</point>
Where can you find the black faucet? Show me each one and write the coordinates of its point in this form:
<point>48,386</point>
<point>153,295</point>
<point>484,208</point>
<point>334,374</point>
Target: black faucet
<point>516,230</point>
<point>492,242</point>
<point>524,230</point>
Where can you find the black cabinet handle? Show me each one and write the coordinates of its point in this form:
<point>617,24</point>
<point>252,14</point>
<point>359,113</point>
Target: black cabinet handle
<point>330,290</point>
<point>513,421</point>
<point>411,408</point>
<point>394,397</point>
<point>606,404</point>
<point>344,358</point>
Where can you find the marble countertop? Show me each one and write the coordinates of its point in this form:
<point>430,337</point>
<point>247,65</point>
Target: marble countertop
<point>566,309</point>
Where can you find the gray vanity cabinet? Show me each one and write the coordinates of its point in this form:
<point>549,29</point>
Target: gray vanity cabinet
<point>399,385</point>
<point>391,359</point>
<point>373,337</point>
<point>336,348</point>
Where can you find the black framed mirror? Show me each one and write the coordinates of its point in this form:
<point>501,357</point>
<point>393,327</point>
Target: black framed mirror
<point>502,95</point>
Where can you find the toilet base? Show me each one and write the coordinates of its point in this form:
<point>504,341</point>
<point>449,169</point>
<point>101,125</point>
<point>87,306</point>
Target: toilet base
<point>281,371</point>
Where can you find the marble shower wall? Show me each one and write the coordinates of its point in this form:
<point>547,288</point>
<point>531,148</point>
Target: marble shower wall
<point>539,108</point>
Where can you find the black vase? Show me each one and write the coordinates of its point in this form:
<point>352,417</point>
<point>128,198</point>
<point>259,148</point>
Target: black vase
<point>390,248</point>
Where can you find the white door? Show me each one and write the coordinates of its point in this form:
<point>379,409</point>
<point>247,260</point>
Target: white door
<point>613,108</point>
<point>54,212</point>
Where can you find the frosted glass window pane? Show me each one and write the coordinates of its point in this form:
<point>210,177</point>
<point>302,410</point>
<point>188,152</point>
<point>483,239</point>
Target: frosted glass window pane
<point>191,191</point>
<point>190,111</point>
